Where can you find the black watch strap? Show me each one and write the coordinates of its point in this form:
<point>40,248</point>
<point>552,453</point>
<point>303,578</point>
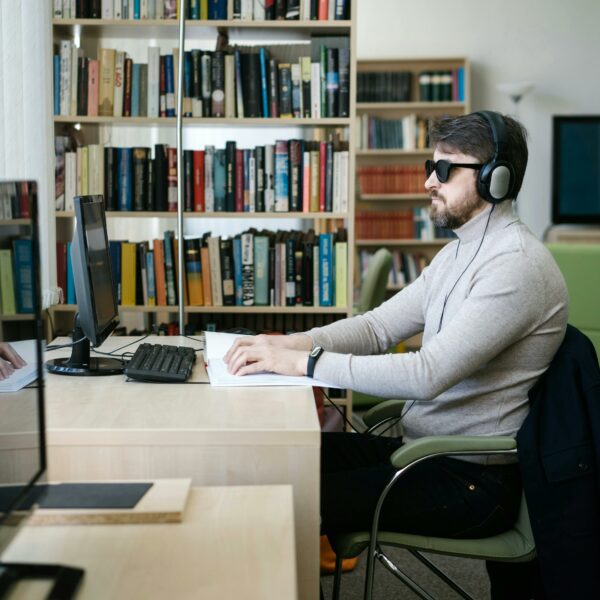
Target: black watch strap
<point>313,357</point>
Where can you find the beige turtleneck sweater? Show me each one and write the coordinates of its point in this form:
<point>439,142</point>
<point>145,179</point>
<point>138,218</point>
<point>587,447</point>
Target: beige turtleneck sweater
<point>502,324</point>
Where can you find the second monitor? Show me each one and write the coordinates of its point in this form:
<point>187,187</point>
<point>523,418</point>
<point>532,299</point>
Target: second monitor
<point>98,314</point>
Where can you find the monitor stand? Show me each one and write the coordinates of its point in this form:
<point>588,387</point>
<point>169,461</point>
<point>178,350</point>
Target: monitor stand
<point>66,579</point>
<point>80,362</point>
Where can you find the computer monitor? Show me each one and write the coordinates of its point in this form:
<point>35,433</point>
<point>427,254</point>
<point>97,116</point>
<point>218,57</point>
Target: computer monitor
<point>95,295</point>
<point>22,430</point>
<point>576,169</point>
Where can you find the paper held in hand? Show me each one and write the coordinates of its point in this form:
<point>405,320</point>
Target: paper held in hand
<point>19,378</point>
<point>215,347</point>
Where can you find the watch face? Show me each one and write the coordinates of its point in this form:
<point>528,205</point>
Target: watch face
<point>315,351</point>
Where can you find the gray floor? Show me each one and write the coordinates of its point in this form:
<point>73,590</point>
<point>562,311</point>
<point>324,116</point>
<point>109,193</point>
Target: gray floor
<point>470,574</point>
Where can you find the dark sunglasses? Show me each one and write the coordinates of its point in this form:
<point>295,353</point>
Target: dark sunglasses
<point>442,168</point>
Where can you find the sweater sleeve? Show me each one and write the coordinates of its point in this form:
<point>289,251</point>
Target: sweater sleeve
<point>498,310</point>
<point>379,329</point>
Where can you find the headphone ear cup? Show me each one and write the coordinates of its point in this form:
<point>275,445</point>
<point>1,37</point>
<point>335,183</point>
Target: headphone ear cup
<point>495,181</point>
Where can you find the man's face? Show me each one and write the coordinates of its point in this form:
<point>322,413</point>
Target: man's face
<point>455,202</point>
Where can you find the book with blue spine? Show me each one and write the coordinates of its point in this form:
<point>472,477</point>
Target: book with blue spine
<point>169,85</point>
<point>325,269</point>
<point>460,77</point>
<point>135,89</point>
<point>71,299</point>
<point>237,269</point>
<point>56,68</point>
<point>217,10</point>
<point>23,271</point>
<point>125,178</point>
<point>150,278</point>
<point>264,89</point>
<point>136,9</point>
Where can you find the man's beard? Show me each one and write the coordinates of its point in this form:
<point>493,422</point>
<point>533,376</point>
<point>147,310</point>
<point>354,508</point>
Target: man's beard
<point>456,217</point>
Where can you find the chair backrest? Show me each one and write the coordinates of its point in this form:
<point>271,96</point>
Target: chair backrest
<point>372,291</point>
<point>580,266</point>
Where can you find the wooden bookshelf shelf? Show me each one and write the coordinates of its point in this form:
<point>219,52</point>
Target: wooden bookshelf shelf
<point>288,310</point>
<point>9,222</point>
<point>408,242</point>
<point>17,317</point>
<point>116,214</point>
<point>168,27</point>
<point>216,121</point>
<point>412,106</point>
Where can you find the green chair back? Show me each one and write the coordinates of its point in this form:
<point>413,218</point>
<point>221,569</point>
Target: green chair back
<point>580,266</point>
<point>372,291</point>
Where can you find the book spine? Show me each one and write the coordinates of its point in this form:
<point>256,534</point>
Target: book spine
<point>261,270</point>
<point>239,180</point>
<point>209,189</point>
<point>92,93</point>
<point>188,180</point>
<point>230,176</point>
<point>344,82</point>
<point>218,84</point>
<point>119,81</point>
<point>273,89</point>
<point>230,97</point>
<point>23,275</point>
<point>264,87</point>
<point>127,88</point>
<point>107,83</point>
<point>247,255</point>
<point>260,178</point>
<point>199,205</point>
<point>153,82</point>
<point>172,179</point>
<point>325,274</point>
<point>159,272</point>
<point>281,176</point>
<point>135,89</point>
<point>295,169</point>
<point>269,178</point>
<point>168,249</point>
<point>227,271</point>
<point>206,79</point>
<point>220,180</point>
<point>237,269</point>
<point>169,86</point>
<point>285,91</point>
<point>125,179</point>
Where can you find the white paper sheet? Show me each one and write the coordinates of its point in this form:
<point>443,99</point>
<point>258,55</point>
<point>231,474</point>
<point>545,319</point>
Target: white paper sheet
<point>217,344</point>
<point>25,375</point>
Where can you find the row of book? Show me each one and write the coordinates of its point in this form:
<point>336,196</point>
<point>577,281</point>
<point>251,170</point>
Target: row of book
<point>392,179</point>
<point>242,82</point>
<point>383,86</point>
<point>407,133</point>
<point>254,268</point>
<point>15,199</point>
<point>405,268</point>
<point>442,86</point>
<point>288,176</point>
<point>16,277</point>
<point>258,10</point>
<point>407,224</point>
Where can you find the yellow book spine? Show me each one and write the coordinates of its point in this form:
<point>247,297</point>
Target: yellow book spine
<point>128,260</point>
<point>7,284</point>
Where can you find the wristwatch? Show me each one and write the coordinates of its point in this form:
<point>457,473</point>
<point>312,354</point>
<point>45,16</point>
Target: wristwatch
<point>313,357</point>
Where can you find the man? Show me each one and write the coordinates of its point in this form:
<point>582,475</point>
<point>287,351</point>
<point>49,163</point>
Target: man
<point>492,307</point>
<point>9,360</point>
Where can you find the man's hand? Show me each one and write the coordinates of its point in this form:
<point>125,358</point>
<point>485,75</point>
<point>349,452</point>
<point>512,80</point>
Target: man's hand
<point>283,354</point>
<point>9,360</point>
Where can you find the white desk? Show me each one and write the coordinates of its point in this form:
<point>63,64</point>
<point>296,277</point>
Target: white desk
<point>105,428</point>
<point>234,542</point>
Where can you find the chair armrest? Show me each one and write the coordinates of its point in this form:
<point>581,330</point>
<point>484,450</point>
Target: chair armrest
<point>428,447</point>
<point>383,411</point>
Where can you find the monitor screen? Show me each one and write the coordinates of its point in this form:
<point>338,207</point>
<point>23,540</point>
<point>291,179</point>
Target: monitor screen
<point>92,272</point>
<point>95,295</point>
<point>576,169</point>
<point>22,447</point>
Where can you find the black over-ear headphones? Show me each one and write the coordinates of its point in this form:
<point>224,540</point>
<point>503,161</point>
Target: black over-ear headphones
<point>497,176</point>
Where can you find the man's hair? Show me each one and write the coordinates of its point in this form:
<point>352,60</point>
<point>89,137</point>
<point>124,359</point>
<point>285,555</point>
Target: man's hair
<point>471,134</point>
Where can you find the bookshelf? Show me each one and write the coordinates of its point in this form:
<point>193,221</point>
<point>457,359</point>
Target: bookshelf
<point>395,100</point>
<point>134,37</point>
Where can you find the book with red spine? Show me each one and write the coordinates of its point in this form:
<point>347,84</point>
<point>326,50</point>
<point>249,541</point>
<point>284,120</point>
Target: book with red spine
<point>199,204</point>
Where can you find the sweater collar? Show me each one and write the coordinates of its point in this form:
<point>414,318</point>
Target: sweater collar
<point>502,216</point>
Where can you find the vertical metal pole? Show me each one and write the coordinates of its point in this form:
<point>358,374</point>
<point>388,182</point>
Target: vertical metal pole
<point>180,169</point>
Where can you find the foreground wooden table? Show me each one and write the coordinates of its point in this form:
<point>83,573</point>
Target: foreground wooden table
<point>234,542</point>
<point>106,428</point>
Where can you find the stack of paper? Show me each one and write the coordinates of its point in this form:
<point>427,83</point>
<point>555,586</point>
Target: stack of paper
<point>215,348</point>
<point>25,375</point>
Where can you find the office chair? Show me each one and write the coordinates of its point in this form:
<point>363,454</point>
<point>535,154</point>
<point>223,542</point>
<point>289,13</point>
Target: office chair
<point>372,294</point>
<point>514,545</point>
<point>580,266</point>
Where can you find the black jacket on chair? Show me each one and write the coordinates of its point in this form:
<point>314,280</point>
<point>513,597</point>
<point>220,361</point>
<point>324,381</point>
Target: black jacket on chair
<point>559,454</point>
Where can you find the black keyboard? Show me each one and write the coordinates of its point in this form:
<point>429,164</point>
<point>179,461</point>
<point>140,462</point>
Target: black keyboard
<point>160,362</point>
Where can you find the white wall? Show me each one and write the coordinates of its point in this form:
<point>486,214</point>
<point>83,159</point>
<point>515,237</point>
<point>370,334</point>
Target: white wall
<point>554,43</point>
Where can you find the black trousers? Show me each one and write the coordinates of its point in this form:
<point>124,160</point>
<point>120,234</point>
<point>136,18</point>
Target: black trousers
<point>443,497</point>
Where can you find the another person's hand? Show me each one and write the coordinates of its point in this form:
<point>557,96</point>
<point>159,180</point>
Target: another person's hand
<point>9,360</point>
<point>286,355</point>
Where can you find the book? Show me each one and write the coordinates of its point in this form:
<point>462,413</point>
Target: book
<point>125,178</point>
<point>214,255</point>
<point>107,83</point>
<point>7,284</point>
<point>169,258</point>
<point>227,271</point>
<point>217,94</point>
<point>281,176</point>
<point>247,268</point>
<point>261,270</point>
<point>193,268</point>
<point>128,273</point>
<point>159,272</point>
<point>251,85</point>
<point>220,180</point>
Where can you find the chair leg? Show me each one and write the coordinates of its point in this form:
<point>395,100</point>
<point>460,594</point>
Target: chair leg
<point>337,578</point>
<point>443,576</point>
<point>403,577</point>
